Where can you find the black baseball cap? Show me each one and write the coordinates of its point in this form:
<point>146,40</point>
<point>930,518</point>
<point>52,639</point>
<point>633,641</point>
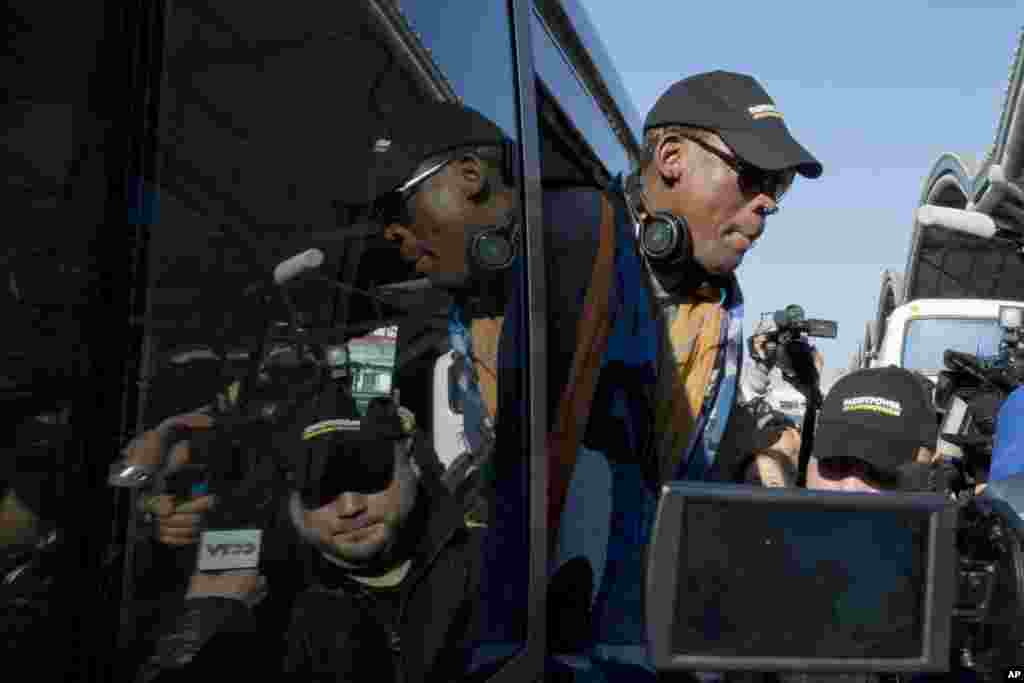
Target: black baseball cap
<point>360,453</point>
<point>880,416</point>
<point>397,146</point>
<point>737,108</point>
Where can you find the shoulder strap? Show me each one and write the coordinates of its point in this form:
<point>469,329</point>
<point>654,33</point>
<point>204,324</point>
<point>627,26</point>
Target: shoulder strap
<point>592,332</point>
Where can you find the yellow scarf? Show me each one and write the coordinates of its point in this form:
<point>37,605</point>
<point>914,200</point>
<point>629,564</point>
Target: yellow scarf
<point>485,333</point>
<point>684,373</point>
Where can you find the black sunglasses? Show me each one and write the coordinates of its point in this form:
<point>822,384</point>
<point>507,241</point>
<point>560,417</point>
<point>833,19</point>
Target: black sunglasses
<point>752,180</point>
<point>394,206</point>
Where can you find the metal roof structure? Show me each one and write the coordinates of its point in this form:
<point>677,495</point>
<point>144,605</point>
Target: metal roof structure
<point>944,264</point>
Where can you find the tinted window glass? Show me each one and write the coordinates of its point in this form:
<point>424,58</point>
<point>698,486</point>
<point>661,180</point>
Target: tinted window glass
<point>556,73</point>
<point>928,338</point>
<point>60,397</point>
<point>473,49</point>
<point>265,130</point>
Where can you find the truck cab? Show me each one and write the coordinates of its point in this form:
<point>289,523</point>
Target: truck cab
<point>919,332</point>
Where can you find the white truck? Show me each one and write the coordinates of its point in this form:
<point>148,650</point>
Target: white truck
<point>965,266</point>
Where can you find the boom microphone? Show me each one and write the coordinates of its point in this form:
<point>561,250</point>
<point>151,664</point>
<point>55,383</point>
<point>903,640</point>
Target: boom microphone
<point>288,270</point>
<point>291,268</point>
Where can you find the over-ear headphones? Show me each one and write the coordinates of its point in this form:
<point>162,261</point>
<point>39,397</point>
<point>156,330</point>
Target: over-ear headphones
<point>664,238</point>
<point>494,247</point>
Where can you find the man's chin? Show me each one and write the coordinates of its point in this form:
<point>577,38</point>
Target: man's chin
<point>725,265</point>
<point>449,281</point>
<point>355,555</point>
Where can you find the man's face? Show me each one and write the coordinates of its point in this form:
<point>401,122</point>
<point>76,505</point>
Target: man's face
<point>360,529</point>
<point>723,218</point>
<point>851,474</point>
<point>442,210</point>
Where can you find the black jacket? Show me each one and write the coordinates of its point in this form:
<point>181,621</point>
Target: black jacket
<point>317,625</point>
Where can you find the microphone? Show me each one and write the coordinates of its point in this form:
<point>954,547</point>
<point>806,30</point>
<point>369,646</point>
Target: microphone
<point>288,270</point>
<point>292,267</point>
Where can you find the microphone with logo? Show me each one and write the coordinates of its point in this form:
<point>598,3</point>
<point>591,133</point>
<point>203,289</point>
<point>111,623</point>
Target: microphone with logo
<point>231,546</point>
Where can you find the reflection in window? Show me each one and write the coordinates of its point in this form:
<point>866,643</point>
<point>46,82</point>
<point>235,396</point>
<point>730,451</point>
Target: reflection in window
<point>928,338</point>
<point>256,137</point>
<point>474,50</point>
<point>559,77</point>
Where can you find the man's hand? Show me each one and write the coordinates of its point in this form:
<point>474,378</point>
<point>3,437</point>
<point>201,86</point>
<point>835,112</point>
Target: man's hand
<point>178,523</point>
<point>777,465</point>
<point>246,585</point>
<point>758,352</point>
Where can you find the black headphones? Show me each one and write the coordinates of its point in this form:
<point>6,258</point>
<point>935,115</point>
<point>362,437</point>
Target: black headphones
<point>664,237</point>
<point>494,247</point>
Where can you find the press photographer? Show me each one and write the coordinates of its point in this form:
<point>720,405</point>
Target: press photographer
<point>782,344</point>
<point>356,558</point>
<point>969,394</point>
<point>981,406</point>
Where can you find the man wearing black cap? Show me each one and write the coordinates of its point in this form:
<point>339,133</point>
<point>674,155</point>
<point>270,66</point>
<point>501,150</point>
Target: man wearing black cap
<point>440,179</point>
<point>876,432</point>
<point>367,567</point>
<point>718,159</point>
<point>873,427</point>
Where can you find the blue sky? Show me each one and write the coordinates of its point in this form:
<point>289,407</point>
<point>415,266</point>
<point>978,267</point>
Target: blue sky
<point>876,90</point>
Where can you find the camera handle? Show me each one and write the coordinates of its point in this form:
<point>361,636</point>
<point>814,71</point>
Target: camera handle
<point>807,434</point>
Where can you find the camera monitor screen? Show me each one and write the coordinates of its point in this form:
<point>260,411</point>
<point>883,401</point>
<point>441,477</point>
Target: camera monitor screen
<point>770,579</point>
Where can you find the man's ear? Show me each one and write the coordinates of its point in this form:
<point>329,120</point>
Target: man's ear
<point>670,159</point>
<point>471,174</point>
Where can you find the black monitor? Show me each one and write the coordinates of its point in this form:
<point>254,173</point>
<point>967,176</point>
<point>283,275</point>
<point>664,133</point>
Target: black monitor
<point>778,579</point>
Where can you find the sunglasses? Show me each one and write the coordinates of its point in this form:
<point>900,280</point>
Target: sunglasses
<point>352,464</point>
<point>752,180</point>
<point>393,208</point>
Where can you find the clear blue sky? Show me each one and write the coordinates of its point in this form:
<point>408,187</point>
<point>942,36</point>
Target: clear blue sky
<point>876,90</point>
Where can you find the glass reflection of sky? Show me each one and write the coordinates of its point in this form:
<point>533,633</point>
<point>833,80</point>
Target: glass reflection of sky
<point>478,63</point>
<point>928,338</point>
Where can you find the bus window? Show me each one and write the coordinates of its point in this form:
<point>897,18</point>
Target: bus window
<point>262,116</point>
<point>52,159</point>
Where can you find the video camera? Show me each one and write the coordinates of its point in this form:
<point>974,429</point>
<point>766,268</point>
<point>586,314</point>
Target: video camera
<point>970,392</point>
<point>786,346</point>
<point>743,578</point>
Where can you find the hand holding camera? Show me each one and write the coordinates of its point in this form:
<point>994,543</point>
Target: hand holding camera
<point>786,347</point>
<point>178,510</point>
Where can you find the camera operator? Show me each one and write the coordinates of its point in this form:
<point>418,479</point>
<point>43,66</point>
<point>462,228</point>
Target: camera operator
<point>876,428</point>
<point>762,444</point>
<point>385,561</point>
<point>765,371</point>
<point>876,432</point>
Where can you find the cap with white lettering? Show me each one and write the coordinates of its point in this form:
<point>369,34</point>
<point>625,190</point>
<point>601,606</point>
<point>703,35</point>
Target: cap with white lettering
<point>880,415</point>
<point>742,113</point>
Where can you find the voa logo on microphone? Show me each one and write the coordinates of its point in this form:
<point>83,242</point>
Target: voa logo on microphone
<point>229,549</point>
